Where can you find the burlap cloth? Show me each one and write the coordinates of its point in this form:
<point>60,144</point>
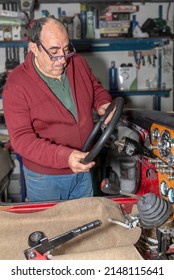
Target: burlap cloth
<point>109,241</point>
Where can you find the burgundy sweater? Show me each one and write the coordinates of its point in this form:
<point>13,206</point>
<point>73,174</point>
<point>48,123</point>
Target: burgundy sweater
<point>41,129</point>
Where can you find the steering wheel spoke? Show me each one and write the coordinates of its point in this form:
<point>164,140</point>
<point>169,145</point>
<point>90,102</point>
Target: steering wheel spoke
<point>116,104</point>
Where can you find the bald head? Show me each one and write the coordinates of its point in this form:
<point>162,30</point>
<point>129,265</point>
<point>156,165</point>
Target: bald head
<point>43,26</point>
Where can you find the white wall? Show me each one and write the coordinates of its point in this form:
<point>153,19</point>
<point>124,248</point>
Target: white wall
<point>100,61</point>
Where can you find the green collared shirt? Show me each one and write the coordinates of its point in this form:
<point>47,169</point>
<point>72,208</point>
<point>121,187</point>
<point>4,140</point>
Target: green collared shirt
<point>61,88</point>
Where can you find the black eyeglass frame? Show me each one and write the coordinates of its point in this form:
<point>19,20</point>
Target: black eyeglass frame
<point>58,57</point>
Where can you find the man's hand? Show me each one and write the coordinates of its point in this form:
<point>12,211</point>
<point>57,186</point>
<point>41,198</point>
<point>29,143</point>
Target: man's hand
<point>75,164</point>
<point>102,110</point>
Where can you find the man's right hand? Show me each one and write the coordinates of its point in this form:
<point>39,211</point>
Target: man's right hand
<point>75,164</point>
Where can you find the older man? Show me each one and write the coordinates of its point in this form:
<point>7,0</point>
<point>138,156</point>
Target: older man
<point>48,102</point>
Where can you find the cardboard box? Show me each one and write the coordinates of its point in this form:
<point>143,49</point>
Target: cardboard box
<point>16,33</point>
<point>120,16</point>
<point>115,16</point>
<point>1,33</point>
<point>118,30</point>
<point>110,35</point>
<point>19,33</point>
<point>127,78</point>
<point>8,13</point>
<point>116,8</point>
<point>114,23</point>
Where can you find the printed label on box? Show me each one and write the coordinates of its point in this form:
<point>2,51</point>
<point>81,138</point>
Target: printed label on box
<point>127,78</point>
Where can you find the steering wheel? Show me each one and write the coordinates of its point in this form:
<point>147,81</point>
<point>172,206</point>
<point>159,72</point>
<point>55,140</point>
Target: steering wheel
<point>117,103</point>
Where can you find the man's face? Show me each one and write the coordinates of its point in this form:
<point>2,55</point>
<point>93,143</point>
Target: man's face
<point>55,41</point>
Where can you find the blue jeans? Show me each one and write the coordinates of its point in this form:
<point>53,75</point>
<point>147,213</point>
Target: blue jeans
<point>40,187</point>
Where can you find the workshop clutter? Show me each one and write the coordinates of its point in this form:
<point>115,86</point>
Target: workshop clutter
<point>82,25</point>
<point>123,78</point>
<point>13,25</point>
<point>127,77</point>
<point>147,58</point>
<point>5,171</point>
<point>156,27</point>
<point>115,20</point>
<point>91,22</point>
<point>114,28</point>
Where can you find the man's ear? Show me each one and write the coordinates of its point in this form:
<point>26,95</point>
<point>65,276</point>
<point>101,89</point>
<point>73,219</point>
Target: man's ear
<point>33,47</point>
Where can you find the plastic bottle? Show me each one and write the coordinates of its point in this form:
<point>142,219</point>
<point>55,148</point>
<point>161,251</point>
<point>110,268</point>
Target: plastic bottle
<point>59,12</point>
<point>90,34</point>
<point>83,18</point>
<point>113,76</point>
<point>7,33</point>
<point>163,85</point>
<point>45,13</point>
<point>62,17</point>
<point>155,82</point>
<point>69,21</point>
<point>76,27</point>
<point>96,22</point>
<point>134,23</point>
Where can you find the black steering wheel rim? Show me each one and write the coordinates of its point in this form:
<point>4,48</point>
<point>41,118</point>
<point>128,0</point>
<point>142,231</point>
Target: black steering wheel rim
<point>118,104</point>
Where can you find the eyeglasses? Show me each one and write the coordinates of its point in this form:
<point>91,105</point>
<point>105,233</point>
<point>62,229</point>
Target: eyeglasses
<point>70,52</point>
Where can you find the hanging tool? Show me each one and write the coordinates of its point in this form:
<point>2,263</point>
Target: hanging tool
<point>149,59</point>
<point>138,58</point>
<point>154,60</point>
<point>12,53</point>
<point>41,246</point>
<point>12,58</point>
<point>143,60</point>
<point>25,52</point>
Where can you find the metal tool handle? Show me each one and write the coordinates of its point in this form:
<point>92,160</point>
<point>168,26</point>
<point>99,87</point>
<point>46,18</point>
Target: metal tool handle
<point>44,245</point>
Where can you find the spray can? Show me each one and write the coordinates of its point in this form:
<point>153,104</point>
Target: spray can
<point>83,18</point>
<point>90,34</point>
<point>113,76</point>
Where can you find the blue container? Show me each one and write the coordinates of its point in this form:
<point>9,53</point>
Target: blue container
<point>83,19</point>
<point>113,77</point>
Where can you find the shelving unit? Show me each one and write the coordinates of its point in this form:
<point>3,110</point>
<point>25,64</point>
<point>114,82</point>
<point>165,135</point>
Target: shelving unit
<point>118,44</point>
<point>100,1</point>
<point>92,45</point>
<point>129,44</point>
<point>12,44</point>
<point>159,92</point>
